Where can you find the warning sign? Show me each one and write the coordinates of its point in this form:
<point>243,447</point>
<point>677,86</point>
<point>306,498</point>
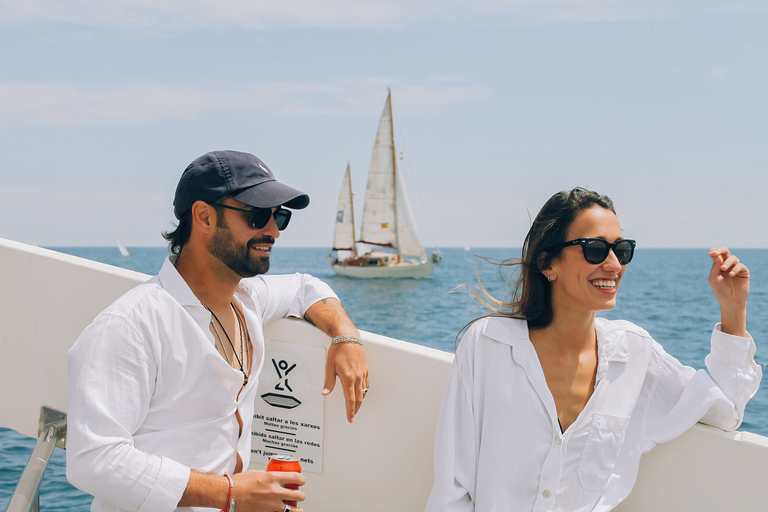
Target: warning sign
<point>288,413</point>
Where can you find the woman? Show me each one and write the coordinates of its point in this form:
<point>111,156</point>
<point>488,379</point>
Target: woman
<point>549,407</point>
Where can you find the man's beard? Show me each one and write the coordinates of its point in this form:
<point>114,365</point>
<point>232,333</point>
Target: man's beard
<point>237,256</point>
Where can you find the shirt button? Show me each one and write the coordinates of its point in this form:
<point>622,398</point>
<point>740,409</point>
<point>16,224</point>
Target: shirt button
<point>546,494</point>
<point>558,440</point>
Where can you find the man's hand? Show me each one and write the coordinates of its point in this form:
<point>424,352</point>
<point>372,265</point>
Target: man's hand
<point>347,361</point>
<point>259,491</point>
<point>266,491</point>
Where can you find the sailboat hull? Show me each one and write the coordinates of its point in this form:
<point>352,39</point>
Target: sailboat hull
<point>414,269</point>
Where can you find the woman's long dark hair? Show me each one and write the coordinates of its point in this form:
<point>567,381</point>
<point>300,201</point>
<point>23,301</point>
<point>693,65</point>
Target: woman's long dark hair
<point>531,293</point>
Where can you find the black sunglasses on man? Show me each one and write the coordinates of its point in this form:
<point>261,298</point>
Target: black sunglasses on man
<point>258,218</point>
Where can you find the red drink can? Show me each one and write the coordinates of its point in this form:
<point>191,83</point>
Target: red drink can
<point>287,463</point>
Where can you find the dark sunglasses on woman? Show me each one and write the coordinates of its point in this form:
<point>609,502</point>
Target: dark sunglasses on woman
<point>596,250</point>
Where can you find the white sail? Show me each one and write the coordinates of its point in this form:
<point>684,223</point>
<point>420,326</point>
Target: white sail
<point>379,213</point>
<point>125,252</point>
<point>344,233</point>
<point>408,239</point>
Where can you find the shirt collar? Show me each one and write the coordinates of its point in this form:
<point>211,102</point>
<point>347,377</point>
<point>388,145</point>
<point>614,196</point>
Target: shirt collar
<point>177,287</point>
<point>612,343</point>
<point>512,332</point>
<point>173,283</point>
<point>612,346</point>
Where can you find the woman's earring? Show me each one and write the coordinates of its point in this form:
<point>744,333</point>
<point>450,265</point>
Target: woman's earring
<point>552,277</point>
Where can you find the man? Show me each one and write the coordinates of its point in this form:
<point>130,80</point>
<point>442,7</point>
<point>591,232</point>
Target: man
<point>162,383</point>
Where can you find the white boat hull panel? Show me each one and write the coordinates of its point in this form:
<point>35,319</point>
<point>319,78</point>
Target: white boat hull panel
<point>46,299</point>
<point>382,462</point>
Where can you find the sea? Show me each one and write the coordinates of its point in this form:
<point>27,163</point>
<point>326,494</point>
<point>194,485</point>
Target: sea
<point>664,290</point>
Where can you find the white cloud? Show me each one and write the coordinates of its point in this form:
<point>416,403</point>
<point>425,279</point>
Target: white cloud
<point>350,14</point>
<point>74,105</point>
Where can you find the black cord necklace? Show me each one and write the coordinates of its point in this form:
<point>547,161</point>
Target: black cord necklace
<point>244,341</point>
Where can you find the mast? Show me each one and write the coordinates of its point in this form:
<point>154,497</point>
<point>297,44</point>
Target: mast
<point>394,172</point>
<point>352,209</point>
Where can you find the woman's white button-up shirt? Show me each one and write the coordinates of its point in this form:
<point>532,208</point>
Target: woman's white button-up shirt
<point>499,446</point>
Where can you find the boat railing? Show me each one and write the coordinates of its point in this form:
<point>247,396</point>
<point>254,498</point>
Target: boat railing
<point>52,432</point>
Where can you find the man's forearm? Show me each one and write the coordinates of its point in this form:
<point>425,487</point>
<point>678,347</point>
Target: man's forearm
<point>329,316</point>
<point>205,490</point>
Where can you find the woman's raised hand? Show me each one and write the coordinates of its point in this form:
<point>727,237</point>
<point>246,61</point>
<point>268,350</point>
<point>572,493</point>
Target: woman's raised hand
<point>729,279</point>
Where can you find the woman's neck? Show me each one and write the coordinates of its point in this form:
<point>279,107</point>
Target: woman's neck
<point>569,331</point>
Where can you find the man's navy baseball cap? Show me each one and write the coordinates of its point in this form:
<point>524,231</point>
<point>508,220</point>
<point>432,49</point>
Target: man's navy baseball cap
<point>241,176</point>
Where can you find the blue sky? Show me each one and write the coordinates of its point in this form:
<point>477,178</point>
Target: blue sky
<point>662,105</point>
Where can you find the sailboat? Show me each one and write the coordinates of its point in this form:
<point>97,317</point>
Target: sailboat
<point>387,218</point>
<point>122,249</point>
